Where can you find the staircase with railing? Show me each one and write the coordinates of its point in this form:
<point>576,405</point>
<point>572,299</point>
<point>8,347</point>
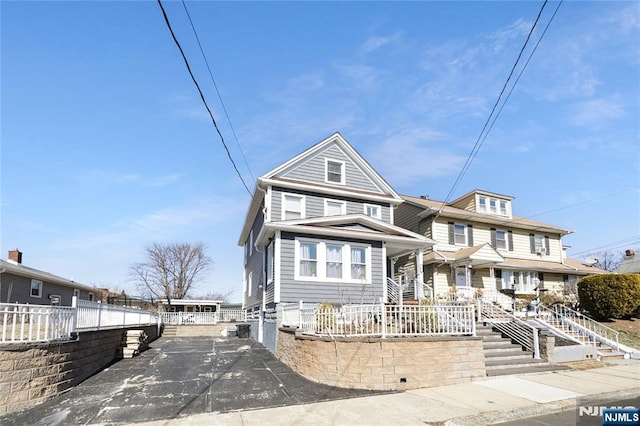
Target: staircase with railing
<point>519,331</point>
<point>407,291</point>
<point>579,328</point>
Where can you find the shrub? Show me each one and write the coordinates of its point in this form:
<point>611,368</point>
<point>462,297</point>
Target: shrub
<point>610,295</point>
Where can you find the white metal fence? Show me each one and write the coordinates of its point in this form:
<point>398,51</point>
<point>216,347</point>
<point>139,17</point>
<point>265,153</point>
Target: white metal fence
<point>389,320</point>
<point>36,323</point>
<point>185,318</point>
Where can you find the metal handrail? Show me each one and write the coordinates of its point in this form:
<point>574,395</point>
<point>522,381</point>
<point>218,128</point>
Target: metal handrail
<point>394,294</point>
<point>516,329</point>
<point>571,320</point>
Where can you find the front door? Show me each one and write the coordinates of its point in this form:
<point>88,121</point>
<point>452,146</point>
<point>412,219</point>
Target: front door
<point>461,277</point>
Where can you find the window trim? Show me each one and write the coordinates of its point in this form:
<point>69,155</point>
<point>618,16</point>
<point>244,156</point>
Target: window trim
<point>284,205</point>
<point>376,206</point>
<point>506,239</point>
<point>343,206</point>
<point>40,288</point>
<point>321,260</point>
<point>342,171</point>
<point>249,284</point>
<point>464,234</point>
<point>270,263</point>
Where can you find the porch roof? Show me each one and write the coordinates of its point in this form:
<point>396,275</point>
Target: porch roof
<point>349,227</point>
<point>479,255</point>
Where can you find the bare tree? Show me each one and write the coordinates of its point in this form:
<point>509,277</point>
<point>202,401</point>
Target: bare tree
<point>214,295</point>
<point>606,260</point>
<point>171,270</point>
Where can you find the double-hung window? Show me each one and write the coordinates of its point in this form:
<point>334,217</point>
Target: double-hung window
<point>459,234</point>
<point>308,259</point>
<point>372,210</point>
<point>501,239</point>
<point>335,172</point>
<point>293,207</point>
<point>539,244</point>
<point>482,204</point>
<point>334,261</point>
<point>36,288</point>
<point>358,263</point>
<point>503,208</point>
<point>334,208</point>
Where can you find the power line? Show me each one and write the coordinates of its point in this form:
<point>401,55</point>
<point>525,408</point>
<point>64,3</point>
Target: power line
<point>517,79</point>
<point>583,202</point>
<point>204,101</point>
<point>480,139</point>
<point>224,108</point>
<point>610,246</point>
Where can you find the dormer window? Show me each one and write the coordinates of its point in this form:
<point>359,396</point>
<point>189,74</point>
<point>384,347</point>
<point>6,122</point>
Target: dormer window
<point>492,206</point>
<point>335,172</point>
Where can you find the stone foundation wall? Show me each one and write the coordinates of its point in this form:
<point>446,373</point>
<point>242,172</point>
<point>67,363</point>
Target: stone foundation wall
<point>31,373</point>
<point>383,364</point>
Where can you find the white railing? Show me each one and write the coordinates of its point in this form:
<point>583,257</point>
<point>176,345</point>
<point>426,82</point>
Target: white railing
<point>389,320</point>
<point>37,323</point>
<point>94,315</point>
<point>578,327</point>
<point>231,315</point>
<point>517,330</point>
<point>394,291</point>
<point>203,318</point>
<point>34,323</point>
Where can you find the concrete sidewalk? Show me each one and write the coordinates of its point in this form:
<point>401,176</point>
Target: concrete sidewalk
<point>489,401</point>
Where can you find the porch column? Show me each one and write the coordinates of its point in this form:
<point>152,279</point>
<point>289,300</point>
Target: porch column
<point>420,273</point>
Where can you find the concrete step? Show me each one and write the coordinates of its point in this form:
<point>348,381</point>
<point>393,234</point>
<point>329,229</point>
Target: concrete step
<point>523,361</point>
<point>505,353</point>
<point>532,369</point>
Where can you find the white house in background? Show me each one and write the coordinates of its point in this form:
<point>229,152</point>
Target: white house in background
<point>482,245</point>
<point>321,228</point>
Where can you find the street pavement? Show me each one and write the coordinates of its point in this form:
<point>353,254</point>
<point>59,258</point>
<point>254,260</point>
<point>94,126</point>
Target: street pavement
<point>231,381</point>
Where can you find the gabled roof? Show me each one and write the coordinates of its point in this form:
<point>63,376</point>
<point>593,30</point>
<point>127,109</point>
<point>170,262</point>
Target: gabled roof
<point>25,271</point>
<point>337,140</point>
<point>477,255</point>
<point>433,207</point>
<point>349,227</point>
<point>279,176</point>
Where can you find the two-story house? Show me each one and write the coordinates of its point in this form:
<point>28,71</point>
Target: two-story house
<point>320,228</point>
<point>481,245</point>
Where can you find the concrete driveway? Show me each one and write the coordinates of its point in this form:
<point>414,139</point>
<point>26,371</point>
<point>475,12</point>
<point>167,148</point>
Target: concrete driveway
<point>178,377</point>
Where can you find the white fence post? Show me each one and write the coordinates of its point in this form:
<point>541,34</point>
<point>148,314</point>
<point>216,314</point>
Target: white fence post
<point>74,317</point>
<point>300,315</point>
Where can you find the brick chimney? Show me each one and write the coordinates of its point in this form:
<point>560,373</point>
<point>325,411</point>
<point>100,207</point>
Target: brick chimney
<point>15,256</point>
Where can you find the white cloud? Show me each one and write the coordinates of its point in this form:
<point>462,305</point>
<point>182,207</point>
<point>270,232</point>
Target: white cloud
<point>595,113</point>
<point>415,154</point>
<point>376,42</point>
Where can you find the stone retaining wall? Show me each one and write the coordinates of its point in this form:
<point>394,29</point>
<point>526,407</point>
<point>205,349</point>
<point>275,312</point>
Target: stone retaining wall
<point>31,373</point>
<point>383,364</point>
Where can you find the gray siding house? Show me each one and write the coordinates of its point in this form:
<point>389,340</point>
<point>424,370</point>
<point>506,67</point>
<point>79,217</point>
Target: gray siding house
<point>320,228</point>
<point>21,284</point>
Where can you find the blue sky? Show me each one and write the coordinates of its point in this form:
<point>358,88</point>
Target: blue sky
<point>107,148</point>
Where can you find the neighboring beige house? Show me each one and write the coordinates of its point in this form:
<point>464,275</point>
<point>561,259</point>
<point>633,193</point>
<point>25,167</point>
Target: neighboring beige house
<point>481,245</point>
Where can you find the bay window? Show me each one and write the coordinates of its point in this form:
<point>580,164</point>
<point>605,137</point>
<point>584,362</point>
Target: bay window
<point>318,260</point>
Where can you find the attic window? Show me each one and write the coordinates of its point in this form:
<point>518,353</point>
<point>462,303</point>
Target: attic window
<point>335,172</point>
